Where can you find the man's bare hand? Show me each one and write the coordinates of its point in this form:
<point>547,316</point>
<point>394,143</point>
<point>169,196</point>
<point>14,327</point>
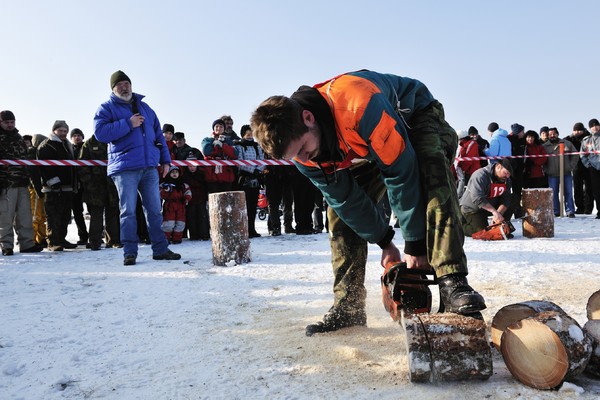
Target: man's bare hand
<point>136,120</point>
<point>417,262</point>
<point>165,169</point>
<point>390,254</point>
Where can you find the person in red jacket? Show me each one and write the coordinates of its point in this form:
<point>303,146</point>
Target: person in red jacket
<point>176,195</point>
<point>468,148</point>
<point>219,147</point>
<point>534,176</point>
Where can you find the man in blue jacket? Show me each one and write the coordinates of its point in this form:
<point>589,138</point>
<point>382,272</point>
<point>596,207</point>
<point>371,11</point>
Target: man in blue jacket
<point>136,147</point>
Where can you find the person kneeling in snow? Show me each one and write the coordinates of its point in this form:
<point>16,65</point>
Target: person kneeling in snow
<point>176,195</point>
<point>488,193</point>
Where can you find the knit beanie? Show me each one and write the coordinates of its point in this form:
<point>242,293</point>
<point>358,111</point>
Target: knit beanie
<point>515,129</point>
<point>59,123</point>
<point>168,128</point>
<point>117,77</point>
<point>7,116</point>
<point>593,122</point>
<point>578,127</point>
<point>179,135</point>
<point>493,127</point>
<point>216,122</point>
<point>505,162</point>
<point>544,129</point>
<point>77,131</point>
<point>473,131</point>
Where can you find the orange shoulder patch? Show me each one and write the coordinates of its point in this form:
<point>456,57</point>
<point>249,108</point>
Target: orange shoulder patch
<point>386,141</point>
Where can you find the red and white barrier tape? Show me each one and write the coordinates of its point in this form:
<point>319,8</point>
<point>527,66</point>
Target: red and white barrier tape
<point>232,163</point>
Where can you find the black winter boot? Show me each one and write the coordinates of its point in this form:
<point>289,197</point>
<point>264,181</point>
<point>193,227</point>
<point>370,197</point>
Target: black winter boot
<point>336,319</point>
<point>457,296</point>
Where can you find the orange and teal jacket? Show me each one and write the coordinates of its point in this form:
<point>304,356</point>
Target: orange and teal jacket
<point>371,114</point>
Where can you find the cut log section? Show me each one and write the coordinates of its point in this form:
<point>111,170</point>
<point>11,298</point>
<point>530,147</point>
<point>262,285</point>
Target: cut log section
<point>512,313</point>
<point>446,347</point>
<point>545,349</point>
<point>592,328</point>
<point>593,306</point>
<point>537,204</point>
<point>229,227</point>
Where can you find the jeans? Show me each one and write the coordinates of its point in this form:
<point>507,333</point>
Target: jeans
<point>554,183</point>
<point>146,182</point>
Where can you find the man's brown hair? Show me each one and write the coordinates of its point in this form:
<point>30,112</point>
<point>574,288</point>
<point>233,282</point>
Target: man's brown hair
<point>276,122</point>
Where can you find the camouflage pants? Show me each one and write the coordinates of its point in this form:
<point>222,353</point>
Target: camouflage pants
<point>435,144</point>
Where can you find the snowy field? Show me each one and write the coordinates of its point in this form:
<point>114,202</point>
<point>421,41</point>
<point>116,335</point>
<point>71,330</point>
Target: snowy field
<point>80,325</point>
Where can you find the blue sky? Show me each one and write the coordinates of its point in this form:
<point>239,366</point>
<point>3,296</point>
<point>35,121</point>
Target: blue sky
<point>530,62</point>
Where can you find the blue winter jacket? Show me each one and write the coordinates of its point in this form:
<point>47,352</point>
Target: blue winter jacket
<point>499,145</point>
<point>130,148</point>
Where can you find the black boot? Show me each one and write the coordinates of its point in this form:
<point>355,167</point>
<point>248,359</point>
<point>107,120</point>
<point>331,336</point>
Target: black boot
<point>457,296</point>
<point>336,319</point>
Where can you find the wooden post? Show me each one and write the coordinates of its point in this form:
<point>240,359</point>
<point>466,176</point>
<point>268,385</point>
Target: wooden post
<point>546,349</point>
<point>229,228</point>
<point>537,204</point>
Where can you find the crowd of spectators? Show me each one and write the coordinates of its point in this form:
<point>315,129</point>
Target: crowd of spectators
<point>533,162</point>
<point>44,200</point>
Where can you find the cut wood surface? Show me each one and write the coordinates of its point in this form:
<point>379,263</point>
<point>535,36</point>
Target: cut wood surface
<point>592,328</point>
<point>229,227</point>
<point>446,347</point>
<point>593,306</point>
<point>537,204</point>
<point>545,349</point>
<point>512,313</point>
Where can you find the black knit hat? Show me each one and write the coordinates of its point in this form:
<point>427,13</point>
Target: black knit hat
<point>473,131</point>
<point>218,121</point>
<point>493,127</point>
<point>117,77</point>
<point>515,129</point>
<point>244,129</point>
<point>59,123</point>
<point>179,135</point>
<point>544,129</point>
<point>505,162</point>
<point>168,128</point>
<point>77,131</point>
<point>593,122</point>
<point>7,116</point>
<point>579,126</point>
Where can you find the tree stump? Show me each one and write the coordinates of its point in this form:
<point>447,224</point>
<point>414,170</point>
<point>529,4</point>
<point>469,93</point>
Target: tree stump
<point>537,204</point>
<point>229,228</point>
<point>593,306</point>
<point>512,313</point>
<point>592,328</point>
<point>446,347</point>
<point>545,349</point>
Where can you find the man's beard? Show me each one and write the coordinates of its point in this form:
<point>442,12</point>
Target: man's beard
<point>126,97</point>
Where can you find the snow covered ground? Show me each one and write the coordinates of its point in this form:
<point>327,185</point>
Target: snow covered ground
<point>80,325</point>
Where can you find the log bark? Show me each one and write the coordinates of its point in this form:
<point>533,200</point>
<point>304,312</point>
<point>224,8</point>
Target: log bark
<point>229,228</point>
<point>592,328</point>
<point>537,204</point>
<point>593,306</point>
<point>545,349</point>
<point>512,313</point>
<point>446,347</point>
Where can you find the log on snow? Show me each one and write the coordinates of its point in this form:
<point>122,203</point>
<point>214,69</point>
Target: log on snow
<point>545,349</point>
<point>593,306</point>
<point>592,328</point>
<point>446,347</point>
<point>229,227</point>
<point>512,313</point>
